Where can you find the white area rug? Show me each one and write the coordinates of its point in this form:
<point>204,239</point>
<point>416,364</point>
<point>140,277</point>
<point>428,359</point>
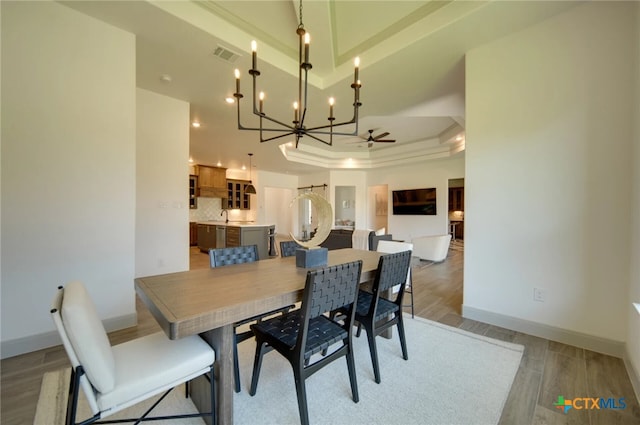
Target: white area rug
<point>451,377</point>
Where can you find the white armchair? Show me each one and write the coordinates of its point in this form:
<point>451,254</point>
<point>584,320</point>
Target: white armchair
<point>114,378</point>
<point>432,248</point>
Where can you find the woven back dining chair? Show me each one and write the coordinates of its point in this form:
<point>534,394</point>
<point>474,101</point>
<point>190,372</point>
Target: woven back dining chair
<point>233,255</point>
<point>390,247</point>
<point>300,334</point>
<point>239,255</point>
<point>375,312</point>
<point>116,377</point>
<point>288,248</point>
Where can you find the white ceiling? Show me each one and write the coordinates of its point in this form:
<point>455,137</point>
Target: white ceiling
<point>412,70</point>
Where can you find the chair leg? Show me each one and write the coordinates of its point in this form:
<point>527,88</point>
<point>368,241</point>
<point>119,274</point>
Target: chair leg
<point>236,366</point>
<point>257,364</point>
<point>373,350</point>
<point>403,340</point>
<point>302,394</point>
<point>214,416</point>
<point>351,365</point>
<point>74,387</point>
<point>411,292</point>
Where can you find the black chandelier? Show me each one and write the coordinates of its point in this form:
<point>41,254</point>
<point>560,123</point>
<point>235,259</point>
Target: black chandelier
<point>297,126</point>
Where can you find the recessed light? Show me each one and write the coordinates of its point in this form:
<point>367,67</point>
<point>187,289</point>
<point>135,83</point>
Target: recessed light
<point>166,78</point>
<point>229,100</point>
<point>219,164</point>
<point>195,124</point>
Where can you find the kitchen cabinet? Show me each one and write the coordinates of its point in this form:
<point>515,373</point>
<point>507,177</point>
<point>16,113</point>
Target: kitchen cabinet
<point>233,236</point>
<point>193,233</point>
<point>236,198</point>
<point>220,235</point>
<point>250,235</point>
<point>256,236</point>
<point>206,237</point>
<point>456,199</point>
<point>212,181</point>
<point>193,191</point>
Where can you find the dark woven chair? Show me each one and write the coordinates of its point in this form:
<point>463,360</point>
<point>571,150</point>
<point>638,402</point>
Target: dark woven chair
<point>233,255</point>
<point>377,313</point>
<point>288,248</point>
<point>389,247</point>
<point>238,255</point>
<point>299,334</point>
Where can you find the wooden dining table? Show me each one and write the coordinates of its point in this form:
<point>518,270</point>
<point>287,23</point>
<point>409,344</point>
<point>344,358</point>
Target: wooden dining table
<point>209,301</point>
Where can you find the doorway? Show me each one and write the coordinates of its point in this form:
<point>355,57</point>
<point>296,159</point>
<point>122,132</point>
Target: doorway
<point>456,209</point>
<point>378,210</point>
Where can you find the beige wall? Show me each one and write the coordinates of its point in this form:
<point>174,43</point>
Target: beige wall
<point>548,171</point>
<point>162,207</point>
<point>68,167</point>
<point>633,332</point>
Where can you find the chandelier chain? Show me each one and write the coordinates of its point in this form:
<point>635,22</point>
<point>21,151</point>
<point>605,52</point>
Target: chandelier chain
<point>301,25</point>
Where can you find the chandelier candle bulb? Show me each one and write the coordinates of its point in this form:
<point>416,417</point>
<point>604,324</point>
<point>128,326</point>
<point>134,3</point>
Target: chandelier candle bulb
<point>254,54</point>
<point>237,74</point>
<point>261,100</point>
<point>307,40</point>
<point>357,65</point>
<point>295,112</point>
<point>331,102</point>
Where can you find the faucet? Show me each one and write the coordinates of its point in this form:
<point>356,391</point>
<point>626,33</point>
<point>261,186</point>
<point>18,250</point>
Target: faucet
<point>226,215</point>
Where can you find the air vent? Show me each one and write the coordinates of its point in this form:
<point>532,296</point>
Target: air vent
<point>225,54</point>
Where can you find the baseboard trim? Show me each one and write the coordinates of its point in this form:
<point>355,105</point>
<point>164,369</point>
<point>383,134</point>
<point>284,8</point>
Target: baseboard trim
<point>634,376</point>
<point>18,346</point>
<point>578,339</point>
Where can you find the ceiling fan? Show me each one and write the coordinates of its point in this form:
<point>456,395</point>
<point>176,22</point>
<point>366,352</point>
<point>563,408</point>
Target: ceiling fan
<point>377,139</point>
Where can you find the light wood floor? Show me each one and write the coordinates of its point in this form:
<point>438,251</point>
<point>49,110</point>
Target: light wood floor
<point>548,369</point>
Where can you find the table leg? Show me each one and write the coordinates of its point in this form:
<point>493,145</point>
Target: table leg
<point>222,340</point>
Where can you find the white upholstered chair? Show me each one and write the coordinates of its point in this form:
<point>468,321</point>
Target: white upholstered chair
<point>391,247</point>
<point>432,248</point>
<point>116,377</point>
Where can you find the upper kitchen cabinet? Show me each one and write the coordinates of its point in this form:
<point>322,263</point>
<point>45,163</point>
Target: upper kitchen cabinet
<point>212,181</point>
<point>236,197</point>
<point>456,199</point>
<point>193,191</point>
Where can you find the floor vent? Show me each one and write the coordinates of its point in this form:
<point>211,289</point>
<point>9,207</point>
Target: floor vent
<point>225,54</point>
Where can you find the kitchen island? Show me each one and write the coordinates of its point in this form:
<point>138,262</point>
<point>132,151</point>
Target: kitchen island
<point>221,234</point>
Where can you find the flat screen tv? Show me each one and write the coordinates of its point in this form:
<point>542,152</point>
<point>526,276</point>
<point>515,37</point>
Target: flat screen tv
<point>414,202</point>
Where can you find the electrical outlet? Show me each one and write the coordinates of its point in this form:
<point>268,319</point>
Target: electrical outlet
<point>538,295</point>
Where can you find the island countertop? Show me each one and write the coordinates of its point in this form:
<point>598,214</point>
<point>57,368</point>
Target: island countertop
<point>234,223</point>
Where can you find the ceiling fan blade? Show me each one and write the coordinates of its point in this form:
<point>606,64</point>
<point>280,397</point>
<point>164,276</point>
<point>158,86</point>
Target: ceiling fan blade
<point>380,136</point>
<point>385,141</point>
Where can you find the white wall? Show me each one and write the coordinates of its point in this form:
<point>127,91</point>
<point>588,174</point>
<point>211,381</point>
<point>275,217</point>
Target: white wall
<point>68,167</point>
<point>633,331</point>
<point>432,174</point>
<point>274,194</point>
<point>548,167</point>
<point>162,179</point>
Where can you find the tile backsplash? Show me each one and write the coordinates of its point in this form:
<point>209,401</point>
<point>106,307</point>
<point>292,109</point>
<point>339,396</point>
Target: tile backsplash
<point>210,209</point>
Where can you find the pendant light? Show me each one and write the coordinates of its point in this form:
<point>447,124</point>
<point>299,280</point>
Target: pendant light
<point>250,188</point>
